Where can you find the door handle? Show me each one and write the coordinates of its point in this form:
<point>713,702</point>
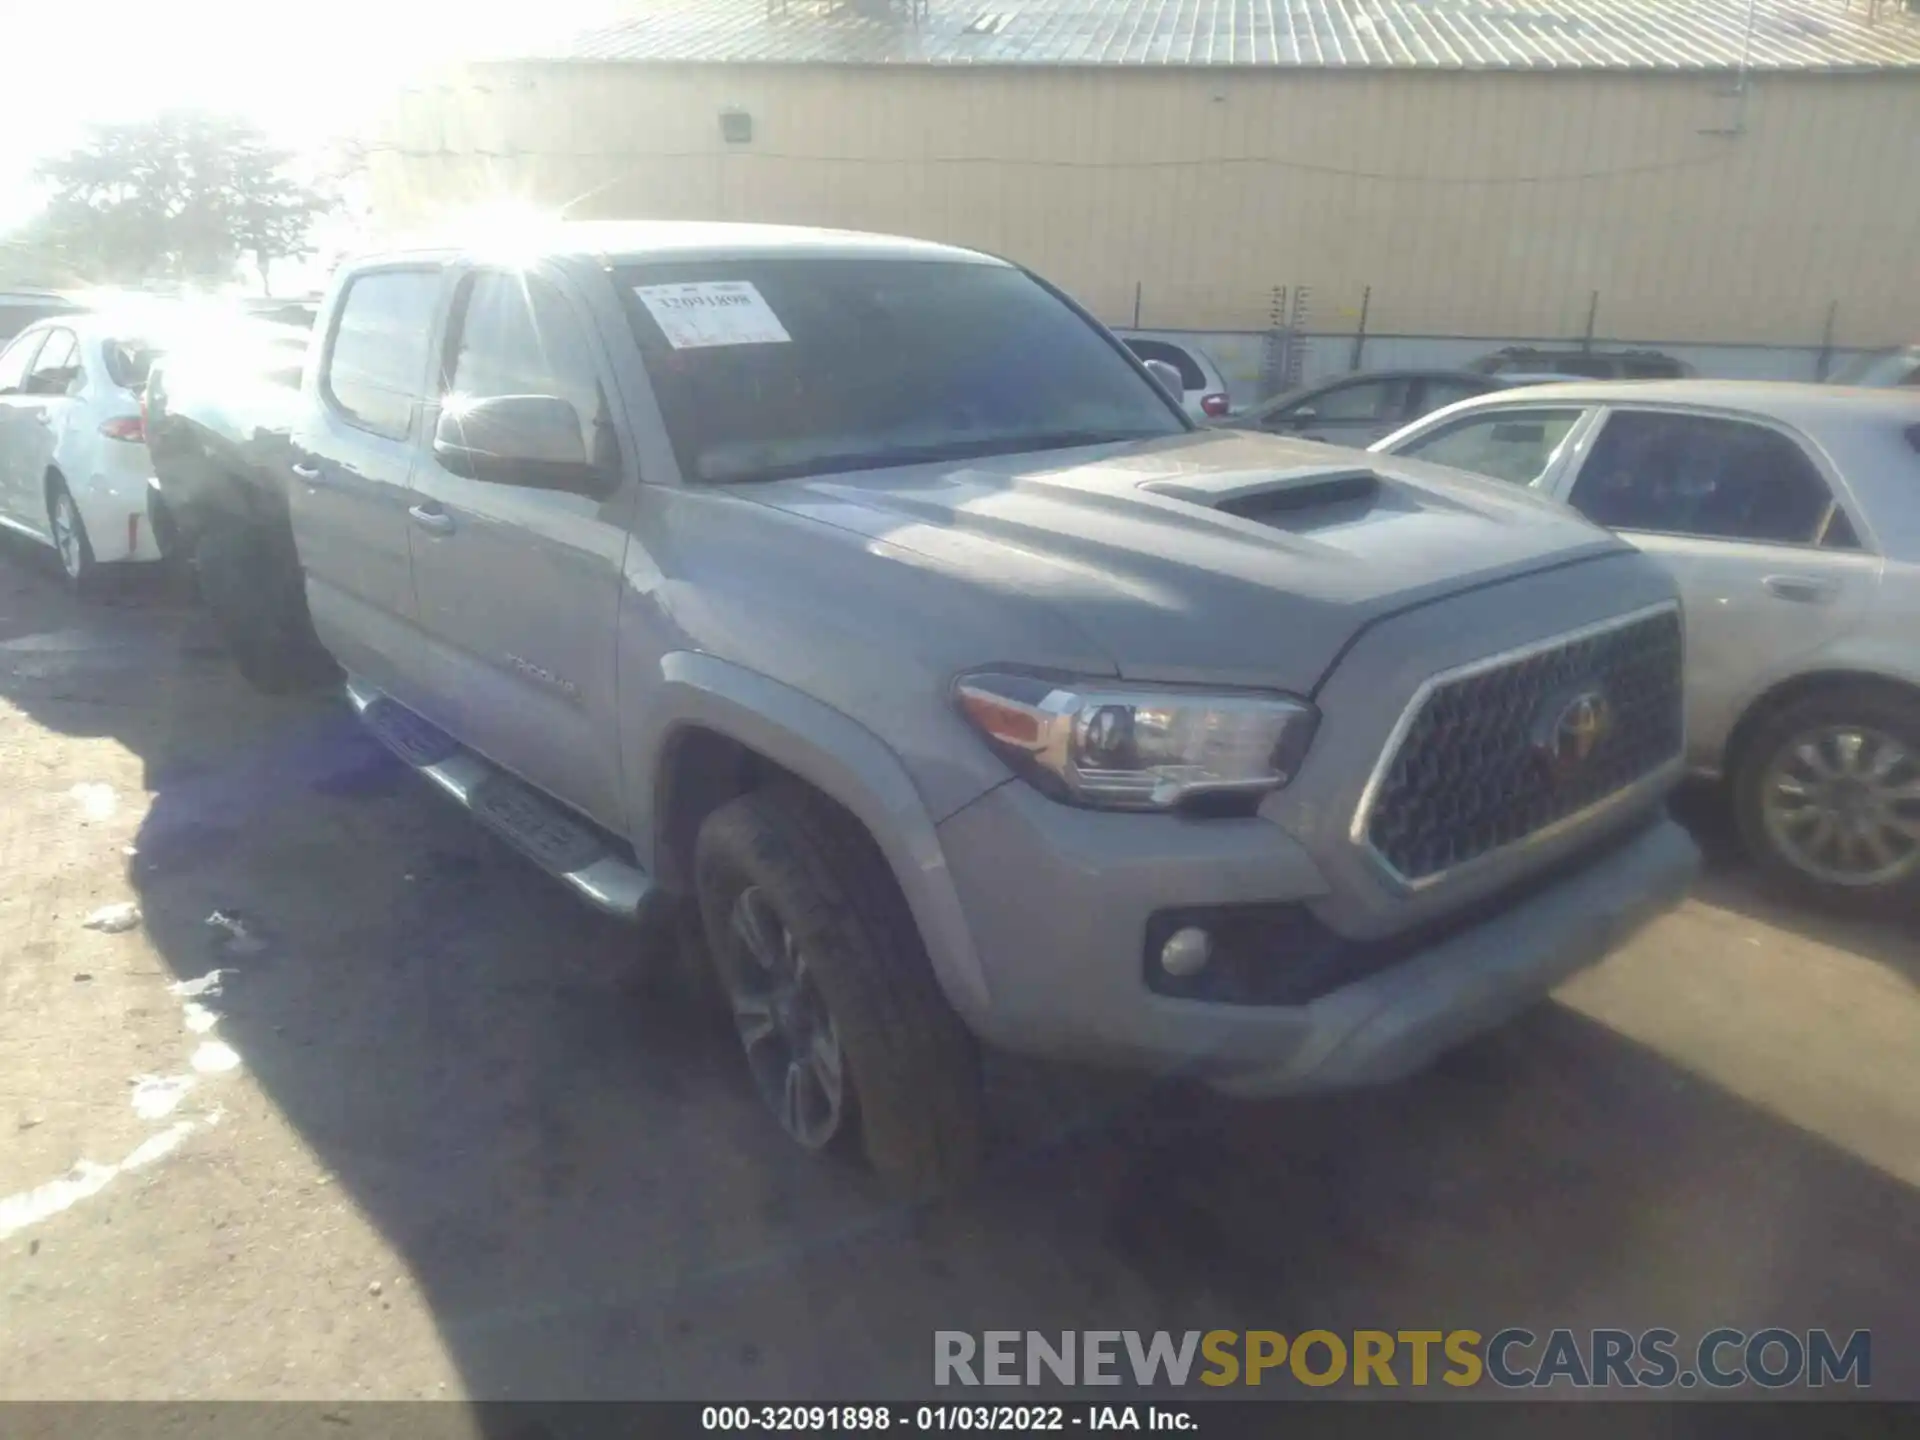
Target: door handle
<point>308,473</point>
<point>436,520</point>
<point>1805,589</point>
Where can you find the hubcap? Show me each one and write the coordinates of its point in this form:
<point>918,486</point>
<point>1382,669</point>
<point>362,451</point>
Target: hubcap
<point>1842,804</point>
<point>793,1048</point>
<point>66,533</point>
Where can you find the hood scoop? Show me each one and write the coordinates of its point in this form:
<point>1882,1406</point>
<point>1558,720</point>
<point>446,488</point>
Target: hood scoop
<point>1295,502</point>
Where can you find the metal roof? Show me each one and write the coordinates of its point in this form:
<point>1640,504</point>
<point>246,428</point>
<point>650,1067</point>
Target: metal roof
<point>1319,34</point>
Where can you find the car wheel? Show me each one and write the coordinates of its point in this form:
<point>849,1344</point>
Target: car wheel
<point>1827,796</point>
<point>69,531</point>
<point>846,1033</point>
<point>256,600</point>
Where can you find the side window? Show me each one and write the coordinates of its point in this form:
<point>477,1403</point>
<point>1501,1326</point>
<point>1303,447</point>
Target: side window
<point>519,336</point>
<point>13,363</point>
<point>1512,445</point>
<point>1365,400</point>
<point>1190,376</point>
<point>1702,476</point>
<point>378,359</point>
<point>1438,393</point>
<point>56,367</point>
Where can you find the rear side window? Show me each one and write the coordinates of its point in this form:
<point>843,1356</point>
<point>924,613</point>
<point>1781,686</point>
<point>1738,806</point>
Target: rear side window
<point>1703,476</point>
<point>1512,445</point>
<point>129,361</point>
<point>1191,377</point>
<point>376,366</point>
<point>56,369</point>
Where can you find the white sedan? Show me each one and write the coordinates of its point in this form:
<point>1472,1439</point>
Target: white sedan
<point>1790,517</point>
<point>73,448</point>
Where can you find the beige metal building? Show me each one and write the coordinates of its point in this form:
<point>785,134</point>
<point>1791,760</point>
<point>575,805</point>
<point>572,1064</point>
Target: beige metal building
<point>1669,171</point>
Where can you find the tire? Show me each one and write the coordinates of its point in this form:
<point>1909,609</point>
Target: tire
<point>253,591</point>
<point>71,545</point>
<point>912,1096</point>
<point>1887,719</point>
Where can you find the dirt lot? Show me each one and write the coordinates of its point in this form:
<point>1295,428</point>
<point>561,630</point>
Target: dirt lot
<point>431,1131</point>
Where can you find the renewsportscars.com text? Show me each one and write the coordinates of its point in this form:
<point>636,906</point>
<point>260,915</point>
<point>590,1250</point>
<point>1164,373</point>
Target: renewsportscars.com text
<point>1512,1358</point>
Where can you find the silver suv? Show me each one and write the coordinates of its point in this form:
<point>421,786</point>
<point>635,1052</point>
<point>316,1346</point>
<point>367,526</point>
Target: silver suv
<point>869,601</point>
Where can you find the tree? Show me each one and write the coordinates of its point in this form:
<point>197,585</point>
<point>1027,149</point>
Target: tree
<point>182,197</point>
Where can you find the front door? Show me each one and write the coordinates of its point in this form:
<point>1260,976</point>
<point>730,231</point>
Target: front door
<point>1768,562</point>
<point>351,459</point>
<point>519,585</point>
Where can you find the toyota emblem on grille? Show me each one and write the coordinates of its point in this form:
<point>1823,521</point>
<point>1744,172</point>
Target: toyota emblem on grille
<point>1570,729</point>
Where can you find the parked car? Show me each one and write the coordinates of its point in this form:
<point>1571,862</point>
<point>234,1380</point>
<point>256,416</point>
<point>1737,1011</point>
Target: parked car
<point>73,453</point>
<point>1583,364</point>
<point>1893,368</point>
<point>20,308</point>
<point>1790,517</point>
<point>219,412</point>
<point>1361,408</point>
<point>1203,393</point>
<point>865,600</point>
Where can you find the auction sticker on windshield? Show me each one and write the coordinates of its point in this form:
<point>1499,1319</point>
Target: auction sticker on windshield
<point>712,312</point>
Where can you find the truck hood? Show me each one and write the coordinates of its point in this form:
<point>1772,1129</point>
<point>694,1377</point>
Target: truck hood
<point>1217,557</point>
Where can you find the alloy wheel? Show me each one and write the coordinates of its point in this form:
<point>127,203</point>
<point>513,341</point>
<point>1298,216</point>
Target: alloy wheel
<point>67,533</point>
<point>1841,804</point>
<point>792,1045</point>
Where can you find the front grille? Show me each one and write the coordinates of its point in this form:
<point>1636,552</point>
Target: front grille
<point>1476,767</point>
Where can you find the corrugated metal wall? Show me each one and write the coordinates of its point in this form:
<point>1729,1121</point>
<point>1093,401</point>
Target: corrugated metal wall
<point>1472,204</point>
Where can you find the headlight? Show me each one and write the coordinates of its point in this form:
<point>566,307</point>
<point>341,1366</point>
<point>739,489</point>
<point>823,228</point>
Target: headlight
<point>1138,747</point>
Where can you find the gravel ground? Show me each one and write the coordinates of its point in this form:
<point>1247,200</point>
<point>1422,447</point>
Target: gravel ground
<point>430,1130</point>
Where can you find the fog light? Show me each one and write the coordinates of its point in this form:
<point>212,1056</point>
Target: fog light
<point>1186,952</point>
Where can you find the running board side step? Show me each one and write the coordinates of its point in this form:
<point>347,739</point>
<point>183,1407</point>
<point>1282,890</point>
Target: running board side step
<point>545,832</point>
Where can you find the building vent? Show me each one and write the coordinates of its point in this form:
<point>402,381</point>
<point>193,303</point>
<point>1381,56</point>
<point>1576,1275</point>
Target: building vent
<point>989,22</point>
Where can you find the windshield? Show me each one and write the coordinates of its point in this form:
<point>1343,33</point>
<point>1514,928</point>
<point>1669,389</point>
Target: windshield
<point>773,368</point>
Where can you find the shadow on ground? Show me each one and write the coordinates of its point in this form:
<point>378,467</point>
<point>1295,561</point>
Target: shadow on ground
<point>576,1171</point>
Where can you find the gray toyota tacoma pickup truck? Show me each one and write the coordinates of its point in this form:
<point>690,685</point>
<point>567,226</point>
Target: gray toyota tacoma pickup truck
<point>867,600</point>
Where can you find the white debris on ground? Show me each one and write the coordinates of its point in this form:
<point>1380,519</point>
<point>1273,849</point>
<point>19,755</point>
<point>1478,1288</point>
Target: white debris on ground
<point>96,801</point>
<point>215,1057</point>
<point>86,1179</point>
<point>156,1096</point>
<point>240,941</point>
<point>114,919</point>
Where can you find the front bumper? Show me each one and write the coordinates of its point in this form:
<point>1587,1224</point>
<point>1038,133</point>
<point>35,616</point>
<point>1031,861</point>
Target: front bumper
<point>1059,901</point>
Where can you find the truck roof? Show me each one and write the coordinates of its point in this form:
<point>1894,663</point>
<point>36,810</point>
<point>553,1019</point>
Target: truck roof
<point>631,240</point>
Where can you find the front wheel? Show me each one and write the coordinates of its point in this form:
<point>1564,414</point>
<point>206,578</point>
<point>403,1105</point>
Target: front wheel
<point>846,1034</point>
<point>1827,796</point>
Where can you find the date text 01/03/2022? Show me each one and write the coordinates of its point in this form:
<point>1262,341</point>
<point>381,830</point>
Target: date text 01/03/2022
<point>924,1419</point>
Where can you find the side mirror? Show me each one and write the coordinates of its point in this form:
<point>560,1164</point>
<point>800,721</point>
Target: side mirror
<point>1168,378</point>
<point>530,440</point>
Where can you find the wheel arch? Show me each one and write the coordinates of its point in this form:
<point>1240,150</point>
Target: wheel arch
<point>1795,688</point>
<point>715,730</point>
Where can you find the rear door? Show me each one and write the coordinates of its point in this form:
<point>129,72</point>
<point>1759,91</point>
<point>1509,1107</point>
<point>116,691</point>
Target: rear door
<point>15,419</point>
<point>1754,530</point>
<point>352,455</point>
<point>39,415</point>
<point>519,585</point>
